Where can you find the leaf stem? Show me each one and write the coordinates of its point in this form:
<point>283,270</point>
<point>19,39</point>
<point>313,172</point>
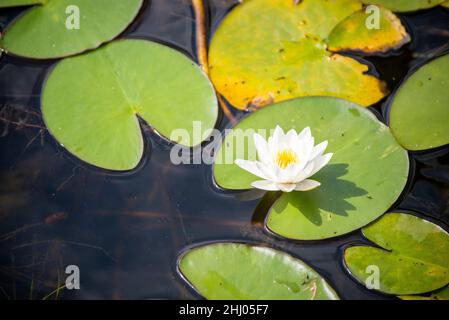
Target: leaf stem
<point>22,124</point>
<point>201,48</point>
<point>201,36</point>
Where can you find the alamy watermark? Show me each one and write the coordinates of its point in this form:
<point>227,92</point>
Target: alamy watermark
<point>238,145</point>
<point>72,282</point>
<point>372,22</point>
<point>372,282</point>
<point>73,20</point>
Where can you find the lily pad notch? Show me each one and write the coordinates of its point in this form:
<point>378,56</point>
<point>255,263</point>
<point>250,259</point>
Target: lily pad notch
<point>90,102</point>
<point>368,171</point>
<point>411,255</point>
<point>288,53</point>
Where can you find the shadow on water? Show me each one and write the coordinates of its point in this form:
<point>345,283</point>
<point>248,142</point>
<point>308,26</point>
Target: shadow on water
<point>125,231</point>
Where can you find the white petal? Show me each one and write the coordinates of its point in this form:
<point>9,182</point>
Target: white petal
<point>304,174</point>
<point>320,162</point>
<point>304,148</point>
<point>305,144</point>
<point>307,185</point>
<point>277,172</point>
<point>277,141</point>
<point>286,187</point>
<point>305,133</point>
<point>265,185</point>
<point>318,150</point>
<point>251,166</point>
<point>288,174</point>
<point>267,170</point>
<point>278,135</point>
<point>291,137</point>
<point>262,148</point>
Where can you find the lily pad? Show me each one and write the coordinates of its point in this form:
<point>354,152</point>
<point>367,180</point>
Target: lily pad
<point>442,294</point>
<point>419,113</point>
<point>267,51</point>
<point>19,3</point>
<point>412,257</point>
<point>42,33</point>
<point>243,272</point>
<point>445,4</point>
<point>365,177</point>
<point>90,103</point>
<point>405,5</point>
<point>352,34</point>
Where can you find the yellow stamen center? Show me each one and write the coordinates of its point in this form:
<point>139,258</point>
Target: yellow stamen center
<point>286,157</point>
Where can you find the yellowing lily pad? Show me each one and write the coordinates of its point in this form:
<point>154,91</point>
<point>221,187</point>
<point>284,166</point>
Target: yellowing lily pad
<point>234,271</point>
<point>445,4</point>
<point>48,30</point>
<point>419,113</point>
<point>405,5</point>
<point>267,51</point>
<point>359,32</point>
<point>366,175</point>
<point>413,257</point>
<point>90,103</point>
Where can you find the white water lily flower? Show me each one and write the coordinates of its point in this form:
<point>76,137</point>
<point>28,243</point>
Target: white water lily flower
<point>286,161</point>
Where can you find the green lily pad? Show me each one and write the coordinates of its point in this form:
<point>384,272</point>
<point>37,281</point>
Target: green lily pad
<point>41,32</point>
<point>268,51</point>
<point>243,272</point>
<point>90,102</point>
<point>19,3</point>
<point>365,177</point>
<point>352,33</point>
<point>405,5</point>
<point>442,294</point>
<point>445,4</point>
<point>413,257</point>
<point>419,113</point>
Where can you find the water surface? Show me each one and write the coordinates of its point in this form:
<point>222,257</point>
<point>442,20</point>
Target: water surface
<point>124,231</point>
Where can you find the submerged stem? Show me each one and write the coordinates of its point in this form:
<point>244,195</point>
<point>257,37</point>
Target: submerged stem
<point>22,124</point>
<point>201,36</point>
<point>201,48</point>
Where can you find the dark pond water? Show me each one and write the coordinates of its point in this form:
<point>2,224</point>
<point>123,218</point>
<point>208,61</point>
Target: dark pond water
<point>124,231</point>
